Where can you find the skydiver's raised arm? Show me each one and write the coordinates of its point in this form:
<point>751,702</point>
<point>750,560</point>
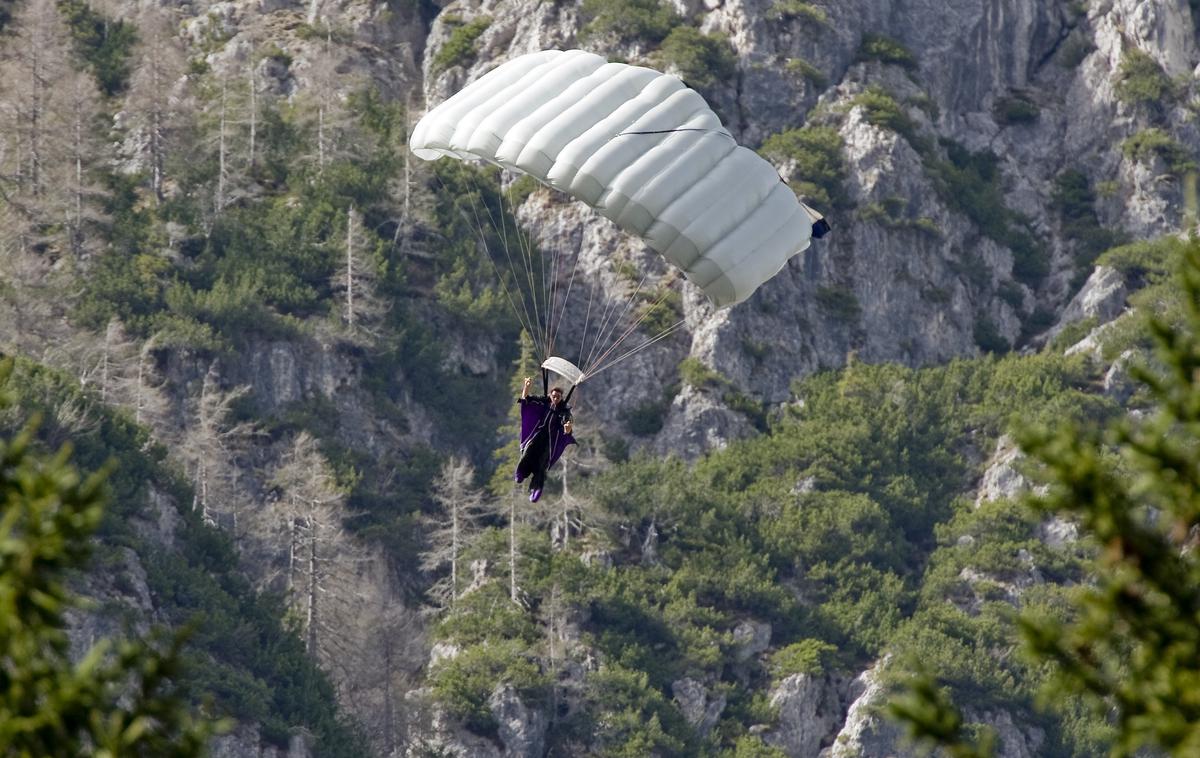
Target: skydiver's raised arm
<point>525,388</point>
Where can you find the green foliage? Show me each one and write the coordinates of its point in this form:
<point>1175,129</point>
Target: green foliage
<point>971,184</point>
<point>615,449</point>
<point>807,656</point>
<point>106,44</point>
<point>478,276</point>
<point>694,373</point>
<point>660,309</point>
<point>839,503</point>
<point>1073,333</point>
<point>1075,49</point>
<point>460,49</point>
<point>1147,262</point>
<point>629,719</point>
<point>1141,81</point>
<point>1152,143</point>
<point>806,70</point>
<point>882,110</point>
<point>646,419</point>
<point>464,682</point>
<point>118,699</point>
<point>1111,643</point>
<point>893,213</point>
<point>784,10</point>
<point>840,304</point>
<point>627,21</point>
<point>520,190</point>
<point>703,60</point>
<point>876,47</point>
<point>817,153</point>
<point>931,718</point>
<point>1075,202</point>
<point>988,337</point>
<point>1015,110</point>
<point>1131,647</point>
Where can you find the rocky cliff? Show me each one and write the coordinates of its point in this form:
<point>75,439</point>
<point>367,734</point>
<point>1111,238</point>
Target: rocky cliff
<point>961,130</point>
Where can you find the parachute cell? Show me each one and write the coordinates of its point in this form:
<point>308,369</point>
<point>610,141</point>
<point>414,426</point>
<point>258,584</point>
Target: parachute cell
<point>643,150</point>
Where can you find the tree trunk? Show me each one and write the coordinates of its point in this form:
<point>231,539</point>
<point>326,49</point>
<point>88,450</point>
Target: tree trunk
<point>313,589</point>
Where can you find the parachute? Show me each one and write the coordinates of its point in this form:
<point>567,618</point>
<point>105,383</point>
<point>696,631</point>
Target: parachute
<point>641,148</point>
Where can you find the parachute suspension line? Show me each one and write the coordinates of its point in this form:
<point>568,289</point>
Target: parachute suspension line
<point>630,329</point>
<point>551,290</point>
<point>660,336</point>
<point>533,322</point>
<point>540,329</point>
<point>587,317</point>
<point>548,292</point>
<point>602,333</point>
<point>526,248</point>
<point>629,301</point>
<point>602,321</point>
<point>566,298</point>
<point>525,320</point>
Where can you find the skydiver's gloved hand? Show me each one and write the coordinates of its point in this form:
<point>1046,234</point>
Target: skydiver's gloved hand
<point>567,427</point>
<point>525,388</point>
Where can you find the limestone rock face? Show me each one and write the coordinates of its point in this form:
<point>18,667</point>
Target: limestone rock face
<point>521,729</point>
<point>867,733</point>
<point>245,740</point>
<point>699,709</point>
<point>1102,298</point>
<point>810,712</point>
<point>1002,479</point>
<point>752,638</point>
<point>864,732</point>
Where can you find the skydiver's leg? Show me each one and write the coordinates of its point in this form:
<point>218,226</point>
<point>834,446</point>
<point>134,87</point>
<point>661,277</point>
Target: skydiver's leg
<point>540,464</point>
<point>524,466</point>
<point>537,450</point>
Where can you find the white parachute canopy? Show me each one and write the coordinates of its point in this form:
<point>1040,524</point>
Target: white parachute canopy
<point>564,368</point>
<point>642,149</point>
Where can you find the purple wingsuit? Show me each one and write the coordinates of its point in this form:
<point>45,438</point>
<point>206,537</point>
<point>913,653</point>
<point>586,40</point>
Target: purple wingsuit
<point>543,439</point>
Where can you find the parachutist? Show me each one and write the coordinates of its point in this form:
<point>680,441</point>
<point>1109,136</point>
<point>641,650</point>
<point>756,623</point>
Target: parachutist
<point>545,433</point>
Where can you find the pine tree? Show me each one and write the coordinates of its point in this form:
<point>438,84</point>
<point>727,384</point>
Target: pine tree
<point>117,700</point>
<point>1130,644</point>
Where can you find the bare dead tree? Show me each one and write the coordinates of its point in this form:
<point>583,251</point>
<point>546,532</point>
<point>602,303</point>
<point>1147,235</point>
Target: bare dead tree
<point>158,104</point>
<point>87,149</point>
<point>324,106</point>
<point>355,283</point>
<point>35,60</point>
<point>461,507</point>
<point>49,140</point>
<point>209,446</point>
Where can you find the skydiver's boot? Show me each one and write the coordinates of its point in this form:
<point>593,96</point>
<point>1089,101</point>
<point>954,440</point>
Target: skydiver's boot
<point>535,494</point>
